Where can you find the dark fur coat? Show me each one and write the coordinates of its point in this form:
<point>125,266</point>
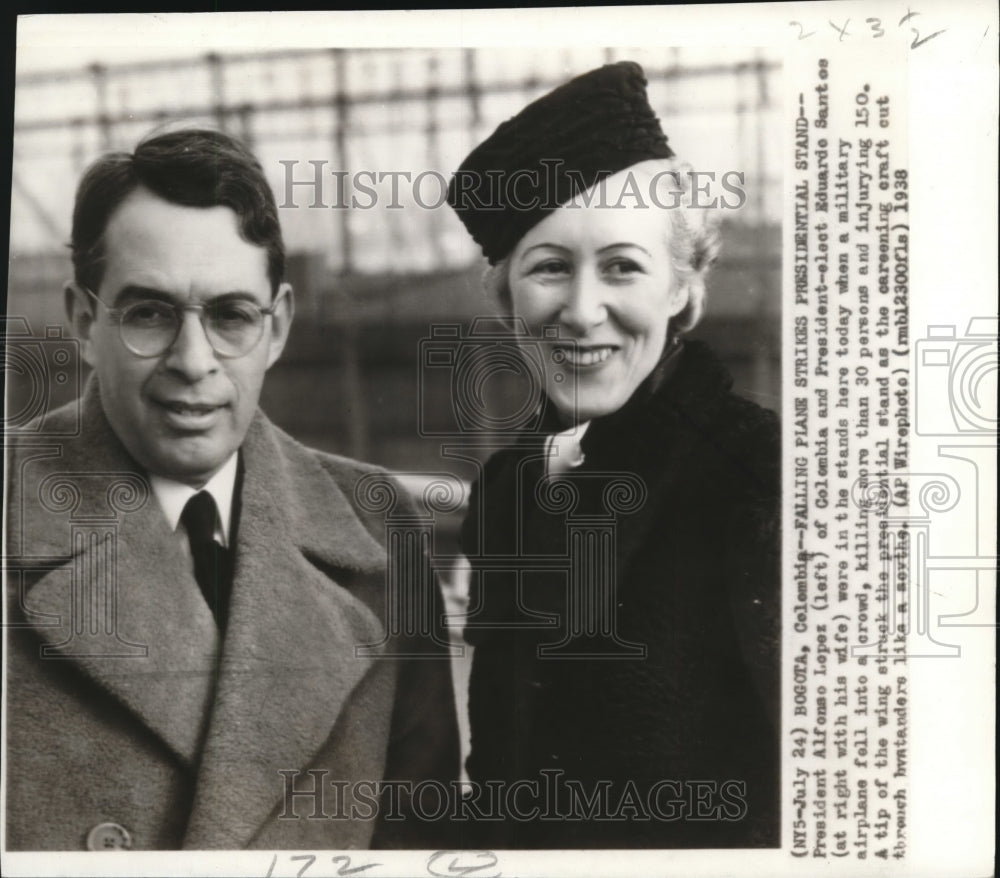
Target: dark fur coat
<point>676,747</point>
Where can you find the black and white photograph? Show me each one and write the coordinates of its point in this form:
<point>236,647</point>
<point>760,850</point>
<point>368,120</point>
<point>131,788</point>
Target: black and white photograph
<point>430,450</point>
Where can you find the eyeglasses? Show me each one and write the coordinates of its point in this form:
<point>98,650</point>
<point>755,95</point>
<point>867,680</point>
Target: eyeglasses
<point>149,327</point>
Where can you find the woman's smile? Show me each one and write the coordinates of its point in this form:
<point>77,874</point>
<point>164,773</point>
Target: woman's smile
<point>581,356</point>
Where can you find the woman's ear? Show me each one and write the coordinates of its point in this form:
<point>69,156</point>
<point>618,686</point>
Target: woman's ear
<point>691,300</point>
<point>679,298</point>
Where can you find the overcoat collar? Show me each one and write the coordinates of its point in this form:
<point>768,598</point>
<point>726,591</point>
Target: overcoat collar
<point>676,412</point>
<point>268,697</point>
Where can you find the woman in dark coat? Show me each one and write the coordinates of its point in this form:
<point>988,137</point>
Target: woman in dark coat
<point>626,594</point>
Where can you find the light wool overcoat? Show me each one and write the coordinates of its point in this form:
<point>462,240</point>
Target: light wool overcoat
<point>153,723</point>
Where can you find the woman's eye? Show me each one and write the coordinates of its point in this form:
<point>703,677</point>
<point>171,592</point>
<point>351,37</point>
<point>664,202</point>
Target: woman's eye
<point>550,267</point>
<point>623,267</point>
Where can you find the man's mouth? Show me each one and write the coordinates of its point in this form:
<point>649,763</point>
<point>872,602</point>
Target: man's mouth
<point>190,409</point>
<point>590,355</point>
<point>186,415</point>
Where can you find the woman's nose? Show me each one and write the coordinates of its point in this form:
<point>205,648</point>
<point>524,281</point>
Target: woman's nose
<point>191,354</point>
<point>585,306</point>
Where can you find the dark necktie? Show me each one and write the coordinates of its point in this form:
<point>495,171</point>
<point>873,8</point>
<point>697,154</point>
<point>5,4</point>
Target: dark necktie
<point>212,562</point>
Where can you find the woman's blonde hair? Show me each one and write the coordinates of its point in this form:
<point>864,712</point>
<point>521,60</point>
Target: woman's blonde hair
<point>693,240</point>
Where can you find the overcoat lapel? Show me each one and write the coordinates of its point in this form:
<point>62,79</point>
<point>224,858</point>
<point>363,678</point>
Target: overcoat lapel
<point>159,662</point>
<point>288,660</point>
<point>672,416</point>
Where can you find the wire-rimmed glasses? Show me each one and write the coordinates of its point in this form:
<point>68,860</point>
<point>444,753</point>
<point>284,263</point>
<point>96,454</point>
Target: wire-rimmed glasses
<point>149,327</point>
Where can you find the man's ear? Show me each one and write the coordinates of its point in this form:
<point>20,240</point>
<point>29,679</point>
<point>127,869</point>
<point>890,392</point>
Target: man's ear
<point>281,322</point>
<point>80,316</point>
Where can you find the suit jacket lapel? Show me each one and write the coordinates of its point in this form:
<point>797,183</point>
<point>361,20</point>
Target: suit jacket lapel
<point>288,661</point>
<point>159,656</point>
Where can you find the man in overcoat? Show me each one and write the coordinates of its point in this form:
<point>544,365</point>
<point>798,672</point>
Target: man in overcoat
<point>197,648</point>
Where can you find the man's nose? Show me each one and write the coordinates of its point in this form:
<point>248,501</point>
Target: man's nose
<point>584,307</point>
<point>191,354</point>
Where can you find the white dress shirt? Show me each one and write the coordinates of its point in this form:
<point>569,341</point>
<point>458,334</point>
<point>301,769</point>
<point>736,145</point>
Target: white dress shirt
<point>173,496</point>
<point>563,451</point>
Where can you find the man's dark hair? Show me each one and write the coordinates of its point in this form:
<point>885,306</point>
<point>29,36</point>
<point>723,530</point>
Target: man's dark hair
<point>193,167</point>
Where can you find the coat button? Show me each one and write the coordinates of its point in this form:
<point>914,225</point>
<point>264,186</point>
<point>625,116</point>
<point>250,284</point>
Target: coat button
<point>109,837</point>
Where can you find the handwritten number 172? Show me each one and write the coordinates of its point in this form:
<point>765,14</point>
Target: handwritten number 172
<point>344,861</point>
